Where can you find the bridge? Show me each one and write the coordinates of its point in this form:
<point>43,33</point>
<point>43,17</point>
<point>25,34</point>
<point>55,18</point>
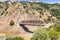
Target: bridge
<point>32,22</point>
<point>27,19</point>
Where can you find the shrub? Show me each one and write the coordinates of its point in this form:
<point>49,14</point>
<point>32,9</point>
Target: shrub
<point>40,16</point>
<point>1,13</point>
<point>54,32</point>
<point>40,34</point>
<point>15,38</point>
<point>56,27</point>
<point>51,33</point>
<point>56,12</point>
<point>24,7</point>
<point>33,13</point>
<point>41,13</point>
<point>11,23</point>
<point>49,18</point>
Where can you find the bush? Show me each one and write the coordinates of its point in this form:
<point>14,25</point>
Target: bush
<point>48,19</point>
<point>15,38</point>
<point>24,7</point>
<point>54,31</point>
<point>41,13</point>
<point>1,13</point>
<point>40,16</point>
<point>11,23</point>
<point>56,27</point>
<point>51,33</point>
<point>40,34</point>
<point>56,12</point>
<point>33,13</point>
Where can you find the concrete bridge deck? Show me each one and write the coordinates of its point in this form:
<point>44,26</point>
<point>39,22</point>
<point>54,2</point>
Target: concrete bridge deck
<point>32,22</point>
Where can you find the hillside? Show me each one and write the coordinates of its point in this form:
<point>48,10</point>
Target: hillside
<point>18,11</point>
<point>33,10</point>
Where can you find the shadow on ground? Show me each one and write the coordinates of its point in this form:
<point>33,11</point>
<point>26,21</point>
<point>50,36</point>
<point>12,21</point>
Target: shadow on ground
<point>25,28</point>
